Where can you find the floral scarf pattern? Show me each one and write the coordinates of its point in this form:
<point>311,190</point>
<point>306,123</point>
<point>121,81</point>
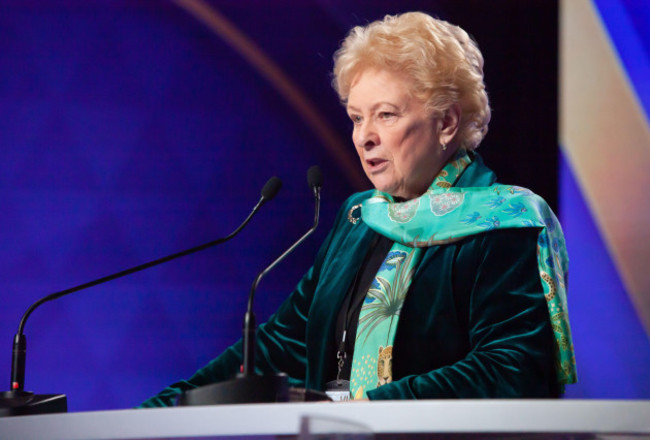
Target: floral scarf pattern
<point>445,214</point>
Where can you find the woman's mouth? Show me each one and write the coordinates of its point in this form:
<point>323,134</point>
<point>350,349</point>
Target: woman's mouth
<point>374,165</point>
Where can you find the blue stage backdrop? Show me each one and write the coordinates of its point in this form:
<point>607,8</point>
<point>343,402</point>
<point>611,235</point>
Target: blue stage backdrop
<point>134,129</point>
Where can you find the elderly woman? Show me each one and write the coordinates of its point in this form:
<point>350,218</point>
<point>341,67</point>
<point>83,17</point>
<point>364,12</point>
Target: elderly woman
<point>440,283</point>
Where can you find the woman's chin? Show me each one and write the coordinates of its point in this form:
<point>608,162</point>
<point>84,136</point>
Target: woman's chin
<point>396,193</point>
<point>385,188</point>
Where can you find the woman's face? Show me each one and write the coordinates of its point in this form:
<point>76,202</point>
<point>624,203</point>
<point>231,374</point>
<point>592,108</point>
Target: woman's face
<point>397,141</point>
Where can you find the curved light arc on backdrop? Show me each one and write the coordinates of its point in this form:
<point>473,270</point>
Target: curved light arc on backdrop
<point>606,138</point>
<point>222,27</point>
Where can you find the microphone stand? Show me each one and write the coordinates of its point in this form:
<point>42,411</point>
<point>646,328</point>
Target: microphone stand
<point>249,317</point>
<point>249,387</point>
<point>17,401</point>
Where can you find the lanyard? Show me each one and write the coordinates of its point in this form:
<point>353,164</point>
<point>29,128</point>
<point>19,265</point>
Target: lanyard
<point>354,298</point>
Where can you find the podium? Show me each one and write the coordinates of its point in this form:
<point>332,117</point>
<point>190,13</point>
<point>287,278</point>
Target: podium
<point>428,419</point>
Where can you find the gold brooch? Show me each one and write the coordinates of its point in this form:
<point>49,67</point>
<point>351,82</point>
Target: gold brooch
<point>351,212</point>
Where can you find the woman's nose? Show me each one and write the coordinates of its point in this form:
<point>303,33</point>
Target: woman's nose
<point>367,136</point>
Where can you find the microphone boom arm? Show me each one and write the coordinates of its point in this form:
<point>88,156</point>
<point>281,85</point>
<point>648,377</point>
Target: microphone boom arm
<point>18,358</point>
<point>248,364</point>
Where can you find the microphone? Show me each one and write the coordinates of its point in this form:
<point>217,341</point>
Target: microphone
<point>20,402</point>
<point>269,191</point>
<point>249,387</point>
<point>314,179</point>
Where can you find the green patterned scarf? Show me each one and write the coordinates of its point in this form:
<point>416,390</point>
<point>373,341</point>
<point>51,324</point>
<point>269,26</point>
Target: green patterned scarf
<point>442,215</point>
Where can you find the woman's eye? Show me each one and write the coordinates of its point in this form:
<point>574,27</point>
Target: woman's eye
<point>386,115</point>
<point>356,119</point>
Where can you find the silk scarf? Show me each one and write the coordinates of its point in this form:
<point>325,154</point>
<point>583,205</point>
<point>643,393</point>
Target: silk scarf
<point>442,215</point>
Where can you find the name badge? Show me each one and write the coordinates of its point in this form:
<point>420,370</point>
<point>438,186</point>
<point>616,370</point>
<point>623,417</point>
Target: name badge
<point>338,390</point>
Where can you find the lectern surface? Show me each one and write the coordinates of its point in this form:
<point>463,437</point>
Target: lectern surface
<point>484,419</point>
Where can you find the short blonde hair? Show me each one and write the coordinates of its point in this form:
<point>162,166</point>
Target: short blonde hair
<point>444,63</point>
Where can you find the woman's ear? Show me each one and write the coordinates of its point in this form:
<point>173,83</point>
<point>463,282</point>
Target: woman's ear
<point>449,124</point>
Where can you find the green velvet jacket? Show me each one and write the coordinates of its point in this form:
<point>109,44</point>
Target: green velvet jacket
<point>474,324</point>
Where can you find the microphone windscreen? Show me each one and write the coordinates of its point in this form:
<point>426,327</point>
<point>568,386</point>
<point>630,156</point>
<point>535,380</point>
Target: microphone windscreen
<point>314,177</point>
<point>271,188</point>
